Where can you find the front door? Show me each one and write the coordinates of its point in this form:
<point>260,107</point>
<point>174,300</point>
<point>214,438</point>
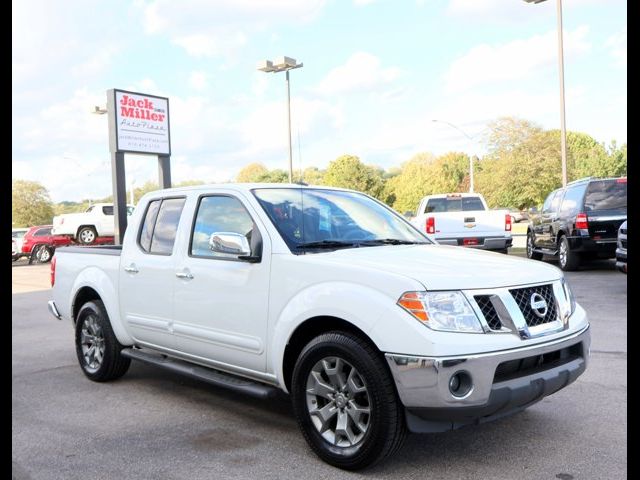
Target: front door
<point>222,301</point>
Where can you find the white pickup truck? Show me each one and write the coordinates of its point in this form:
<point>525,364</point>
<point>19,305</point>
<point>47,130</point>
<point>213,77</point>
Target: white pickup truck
<point>330,296</point>
<point>464,219</point>
<point>96,221</point>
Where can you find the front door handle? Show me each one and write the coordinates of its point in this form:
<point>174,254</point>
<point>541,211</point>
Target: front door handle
<point>131,268</point>
<point>184,275</point>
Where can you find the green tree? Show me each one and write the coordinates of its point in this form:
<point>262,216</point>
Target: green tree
<point>30,204</point>
<point>251,173</point>
<point>348,171</point>
<point>313,176</point>
<point>273,176</point>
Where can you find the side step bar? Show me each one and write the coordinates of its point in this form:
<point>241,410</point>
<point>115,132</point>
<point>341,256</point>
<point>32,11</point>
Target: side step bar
<point>214,377</point>
<point>546,251</point>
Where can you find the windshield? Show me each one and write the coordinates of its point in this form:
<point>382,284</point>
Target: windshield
<point>318,219</point>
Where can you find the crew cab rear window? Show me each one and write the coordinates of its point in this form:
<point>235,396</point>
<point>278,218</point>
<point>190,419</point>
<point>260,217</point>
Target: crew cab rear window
<point>454,204</point>
<point>158,232</point>
<point>606,195</point>
<point>107,210</point>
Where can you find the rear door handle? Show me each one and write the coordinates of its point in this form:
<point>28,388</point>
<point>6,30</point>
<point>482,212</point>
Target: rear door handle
<point>131,268</point>
<point>184,275</point>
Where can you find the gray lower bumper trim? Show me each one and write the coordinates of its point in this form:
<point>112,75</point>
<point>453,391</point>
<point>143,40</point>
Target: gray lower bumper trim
<point>53,309</point>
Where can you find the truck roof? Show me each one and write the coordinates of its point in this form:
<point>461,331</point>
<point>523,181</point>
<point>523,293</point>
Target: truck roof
<point>445,195</point>
<point>246,187</point>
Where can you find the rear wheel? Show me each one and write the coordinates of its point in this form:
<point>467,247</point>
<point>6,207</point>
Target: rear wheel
<point>530,246</point>
<point>345,402</point>
<point>87,235</point>
<point>97,348</point>
<point>567,258</point>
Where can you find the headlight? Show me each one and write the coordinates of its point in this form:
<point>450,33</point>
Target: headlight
<point>568,303</point>
<point>445,311</point>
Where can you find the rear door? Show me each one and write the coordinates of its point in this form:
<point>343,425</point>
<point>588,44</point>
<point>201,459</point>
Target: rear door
<point>605,204</point>
<point>147,274</point>
<point>105,221</point>
<point>542,224</point>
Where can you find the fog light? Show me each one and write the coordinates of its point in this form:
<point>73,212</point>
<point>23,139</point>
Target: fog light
<point>460,384</point>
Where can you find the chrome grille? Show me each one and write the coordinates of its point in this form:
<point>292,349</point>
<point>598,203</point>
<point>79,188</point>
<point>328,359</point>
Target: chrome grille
<point>522,296</point>
<point>489,311</point>
<point>624,243</point>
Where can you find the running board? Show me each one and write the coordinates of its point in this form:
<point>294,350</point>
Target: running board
<point>214,377</point>
<point>546,251</point>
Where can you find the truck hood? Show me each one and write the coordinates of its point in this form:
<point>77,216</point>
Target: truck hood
<point>443,267</point>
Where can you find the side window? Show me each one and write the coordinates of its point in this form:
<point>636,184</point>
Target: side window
<point>43,232</point>
<point>158,232</point>
<point>108,210</point>
<point>572,200</point>
<point>546,207</point>
<point>147,226</point>
<point>555,203</point>
<point>217,214</point>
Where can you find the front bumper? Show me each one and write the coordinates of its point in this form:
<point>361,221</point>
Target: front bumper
<point>423,382</point>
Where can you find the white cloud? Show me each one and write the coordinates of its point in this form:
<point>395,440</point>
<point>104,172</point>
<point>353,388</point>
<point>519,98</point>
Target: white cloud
<point>207,28</point>
<point>97,62</point>
<point>362,71</point>
<point>617,44</point>
<point>198,80</point>
<point>514,60</point>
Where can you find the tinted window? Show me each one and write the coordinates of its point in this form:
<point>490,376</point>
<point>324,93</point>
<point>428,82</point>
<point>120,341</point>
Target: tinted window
<point>218,214</point>
<point>457,204</point>
<point>43,232</point>
<point>147,226</point>
<point>555,203</point>
<point>546,207</point>
<point>606,195</point>
<point>572,201</point>
<point>164,232</point>
<point>107,210</point>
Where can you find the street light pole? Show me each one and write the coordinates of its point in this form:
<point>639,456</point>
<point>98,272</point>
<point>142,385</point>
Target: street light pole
<point>563,126</point>
<point>470,156</point>
<point>283,64</point>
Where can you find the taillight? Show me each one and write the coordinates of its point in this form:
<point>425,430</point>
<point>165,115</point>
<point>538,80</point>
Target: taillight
<point>581,221</point>
<point>431,225</point>
<point>507,223</point>
<point>53,270</point>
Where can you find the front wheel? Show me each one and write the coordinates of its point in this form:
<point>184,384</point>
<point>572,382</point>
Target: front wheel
<point>531,254</point>
<point>567,258</point>
<point>97,347</point>
<point>345,402</point>
<point>42,254</point>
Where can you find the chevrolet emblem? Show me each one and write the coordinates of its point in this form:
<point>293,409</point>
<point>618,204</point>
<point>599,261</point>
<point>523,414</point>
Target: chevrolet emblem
<point>469,225</point>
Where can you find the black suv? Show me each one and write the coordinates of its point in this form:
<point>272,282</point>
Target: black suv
<point>579,220</point>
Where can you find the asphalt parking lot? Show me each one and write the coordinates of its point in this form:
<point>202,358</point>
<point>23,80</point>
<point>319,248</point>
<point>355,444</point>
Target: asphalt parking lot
<point>152,424</point>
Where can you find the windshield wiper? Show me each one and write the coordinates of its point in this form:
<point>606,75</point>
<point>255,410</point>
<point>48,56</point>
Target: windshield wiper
<point>326,244</point>
<point>391,241</point>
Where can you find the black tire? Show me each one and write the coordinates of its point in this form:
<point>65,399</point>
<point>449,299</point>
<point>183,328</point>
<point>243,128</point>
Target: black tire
<point>87,235</point>
<point>93,328</point>
<point>385,423</point>
<point>41,254</point>
<point>14,258</point>
<point>530,253</point>
<point>567,258</point>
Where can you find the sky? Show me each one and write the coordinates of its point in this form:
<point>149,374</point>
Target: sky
<point>376,74</point>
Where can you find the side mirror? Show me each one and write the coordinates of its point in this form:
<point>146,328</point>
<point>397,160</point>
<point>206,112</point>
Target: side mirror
<point>533,210</point>
<point>229,243</point>
<point>408,214</point>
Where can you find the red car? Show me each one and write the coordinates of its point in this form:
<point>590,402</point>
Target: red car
<point>39,244</point>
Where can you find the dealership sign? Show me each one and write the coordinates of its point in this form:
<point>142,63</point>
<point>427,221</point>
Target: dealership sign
<point>141,123</point>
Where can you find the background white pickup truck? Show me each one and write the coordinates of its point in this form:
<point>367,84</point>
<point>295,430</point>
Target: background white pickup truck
<point>96,221</point>
<point>328,295</point>
<point>464,219</point>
